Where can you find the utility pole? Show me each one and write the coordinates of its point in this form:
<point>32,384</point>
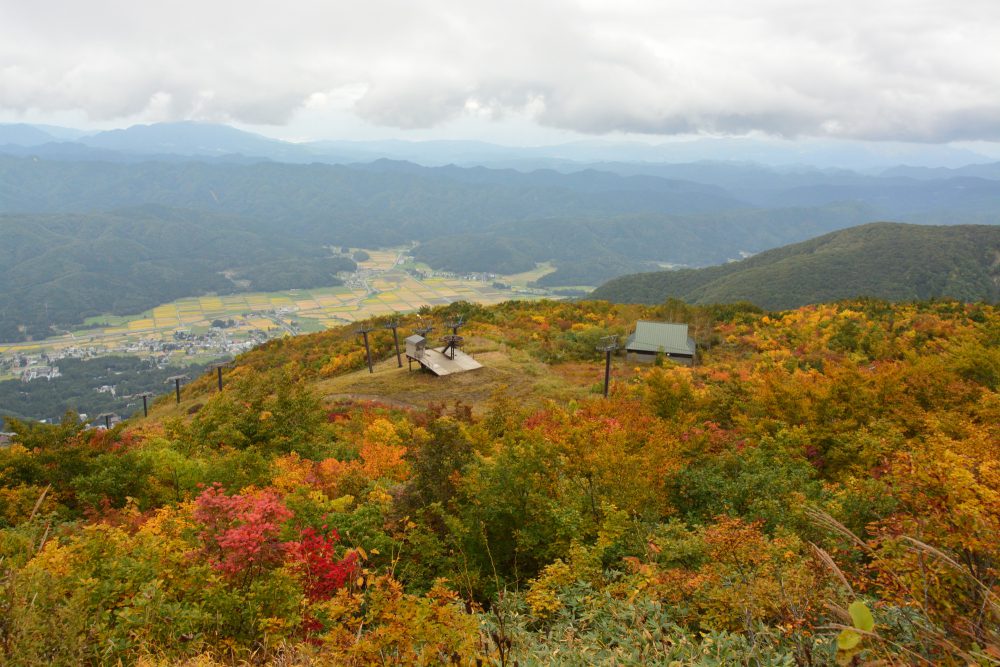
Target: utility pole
<point>176,379</point>
<point>107,419</point>
<point>364,331</point>
<point>607,345</point>
<point>394,325</point>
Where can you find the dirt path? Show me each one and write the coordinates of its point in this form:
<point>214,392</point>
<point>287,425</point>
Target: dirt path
<point>375,398</point>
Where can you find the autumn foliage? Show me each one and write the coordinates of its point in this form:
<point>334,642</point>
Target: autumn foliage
<point>241,532</point>
<point>324,572</point>
<point>822,487</point>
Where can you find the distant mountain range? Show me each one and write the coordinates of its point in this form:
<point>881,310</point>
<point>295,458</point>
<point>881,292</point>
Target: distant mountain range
<point>83,238</point>
<point>758,173</point>
<point>884,260</point>
<point>210,141</point>
<point>594,221</point>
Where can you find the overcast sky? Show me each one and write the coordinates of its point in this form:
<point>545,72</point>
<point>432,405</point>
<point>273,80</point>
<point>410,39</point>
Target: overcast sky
<point>511,71</point>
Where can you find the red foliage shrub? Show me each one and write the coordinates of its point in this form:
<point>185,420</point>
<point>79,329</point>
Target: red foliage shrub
<point>324,572</point>
<point>241,531</point>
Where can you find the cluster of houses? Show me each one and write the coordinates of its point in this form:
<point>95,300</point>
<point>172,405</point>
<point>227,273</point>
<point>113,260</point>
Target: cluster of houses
<point>216,341</point>
<point>29,367</point>
<point>39,373</point>
<point>42,367</point>
<point>473,277</point>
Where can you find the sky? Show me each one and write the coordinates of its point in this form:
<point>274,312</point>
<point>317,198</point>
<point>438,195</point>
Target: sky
<point>512,71</point>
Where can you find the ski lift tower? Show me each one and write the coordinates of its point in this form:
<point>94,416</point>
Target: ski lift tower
<point>455,325</point>
<point>106,416</point>
<point>176,379</point>
<point>607,345</point>
<point>364,331</point>
<point>145,406</point>
<point>393,325</point>
<point>453,341</point>
<point>218,366</point>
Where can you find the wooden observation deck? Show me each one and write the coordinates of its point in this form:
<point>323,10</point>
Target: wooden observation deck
<point>447,360</point>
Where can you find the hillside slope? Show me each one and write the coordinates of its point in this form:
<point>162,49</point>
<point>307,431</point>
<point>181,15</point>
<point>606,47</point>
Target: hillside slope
<point>62,268</point>
<point>891,261</point>
<point>593,249</point>
<point>813,468</point>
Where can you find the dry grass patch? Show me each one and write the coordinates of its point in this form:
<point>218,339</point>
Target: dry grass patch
<point>523,377</point>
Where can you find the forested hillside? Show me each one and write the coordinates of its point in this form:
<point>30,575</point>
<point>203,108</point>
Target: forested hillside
<point>76,388</point>
<point>60,269</point>
<point>588,251</point>
<point>383,203</point>
<point>884,260</point>
<point>78,234</point>
<point>821,487</point>
<point>86,238</point>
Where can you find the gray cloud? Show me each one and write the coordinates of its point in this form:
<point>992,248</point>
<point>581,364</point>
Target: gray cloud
<point>916,70</point>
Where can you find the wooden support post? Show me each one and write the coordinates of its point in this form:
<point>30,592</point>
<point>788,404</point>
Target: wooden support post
<point>607,373</point>
<point>395,337</point>
<point>368,352</point>
<point>177,385</point>
<point>608,345</point>
<point>218,366</point>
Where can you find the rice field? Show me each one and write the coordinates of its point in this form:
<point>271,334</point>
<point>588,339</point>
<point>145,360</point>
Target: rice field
<point>385,288</point>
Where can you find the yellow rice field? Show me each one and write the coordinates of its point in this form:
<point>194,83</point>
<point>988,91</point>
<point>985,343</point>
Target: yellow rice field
<point>389,289</point>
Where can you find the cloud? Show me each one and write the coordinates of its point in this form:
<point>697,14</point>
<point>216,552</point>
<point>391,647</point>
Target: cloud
<point>913,70</point>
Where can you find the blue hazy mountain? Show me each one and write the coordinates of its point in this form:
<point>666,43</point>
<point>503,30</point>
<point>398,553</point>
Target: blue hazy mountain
<point>989,170</point>
<point>199,139</point>
<point>190,138</point>
<point>22,134</point>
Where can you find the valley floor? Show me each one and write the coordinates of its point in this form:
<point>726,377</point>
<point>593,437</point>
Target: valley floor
<point>181,332</point>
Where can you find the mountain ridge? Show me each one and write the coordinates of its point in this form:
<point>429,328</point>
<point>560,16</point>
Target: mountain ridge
<point>188,138</point>
<point>893,261</point>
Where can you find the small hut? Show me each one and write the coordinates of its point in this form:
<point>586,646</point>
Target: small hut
<point>416,345</point>
<point>667,338</point>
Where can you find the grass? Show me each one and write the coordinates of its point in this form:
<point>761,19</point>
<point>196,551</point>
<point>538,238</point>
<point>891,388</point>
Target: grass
<point>309,325</point>
<point>522,279</point>
<point>512,371</point>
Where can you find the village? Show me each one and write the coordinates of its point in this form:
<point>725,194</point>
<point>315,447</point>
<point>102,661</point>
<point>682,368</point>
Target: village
<point>201,329</point>
<point>184,346</point>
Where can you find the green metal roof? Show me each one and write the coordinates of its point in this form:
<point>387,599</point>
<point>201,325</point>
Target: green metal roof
<point>660,336</point>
